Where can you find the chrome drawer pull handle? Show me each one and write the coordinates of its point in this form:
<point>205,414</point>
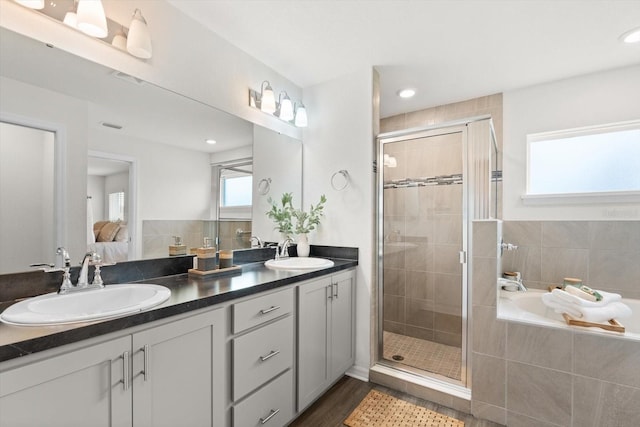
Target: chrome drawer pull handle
<point>269,310</point>
<point>125,370</point>
<point>269,356</point>
<point>271,415</point>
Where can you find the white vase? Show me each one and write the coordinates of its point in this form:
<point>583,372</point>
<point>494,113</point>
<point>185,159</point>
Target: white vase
<point>303,245</point>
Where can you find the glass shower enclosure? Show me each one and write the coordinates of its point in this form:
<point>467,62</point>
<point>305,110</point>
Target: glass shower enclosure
<point>432,183</point>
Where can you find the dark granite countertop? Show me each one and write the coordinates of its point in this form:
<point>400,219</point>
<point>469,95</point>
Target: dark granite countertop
<point>188,293</point>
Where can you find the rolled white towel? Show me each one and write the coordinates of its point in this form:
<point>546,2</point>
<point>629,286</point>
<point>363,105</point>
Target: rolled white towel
<point>607,297</point>
<point>613,310</point>
<point>560,306</point>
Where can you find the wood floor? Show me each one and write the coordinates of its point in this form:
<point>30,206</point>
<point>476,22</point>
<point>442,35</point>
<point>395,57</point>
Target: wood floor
<point>336,405</point>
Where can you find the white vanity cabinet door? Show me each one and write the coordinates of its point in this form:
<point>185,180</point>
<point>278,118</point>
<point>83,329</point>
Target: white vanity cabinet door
<point>342,347</point>
<point>173,372</point>
<point>81,388</point>
<point>326,345</point>
<point>313,375</point>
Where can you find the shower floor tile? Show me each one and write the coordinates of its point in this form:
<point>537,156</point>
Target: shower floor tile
<point>422,354</point>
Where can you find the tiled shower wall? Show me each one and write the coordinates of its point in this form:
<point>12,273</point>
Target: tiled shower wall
<point>530,376</point>
<point>423,237</point>
<point>410,272</point>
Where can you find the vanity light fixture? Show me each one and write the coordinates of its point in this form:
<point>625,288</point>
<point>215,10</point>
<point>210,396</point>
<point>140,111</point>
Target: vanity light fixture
<point>285,107</point>
<point>406,93</point>
<point>71,17</point>
<point>301,116</point>
<point>32,4</point>
<point>139,39</point>
<point>267,98</point>
<point>120,40</point>
<point>91,18</point>
<point>631,36</point>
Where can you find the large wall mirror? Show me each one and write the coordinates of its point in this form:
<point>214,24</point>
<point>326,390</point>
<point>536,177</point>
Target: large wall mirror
<point>134,155</point>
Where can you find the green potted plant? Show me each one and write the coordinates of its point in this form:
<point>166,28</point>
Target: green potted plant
<point>281,214</point>
<point>289,220</point>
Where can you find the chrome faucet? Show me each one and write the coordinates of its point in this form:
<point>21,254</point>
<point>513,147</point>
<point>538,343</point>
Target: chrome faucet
<point>284,248</point>
<point>90,258</point>
<point>518,283</point>
<point>83,278</point>
<point>258,241</point>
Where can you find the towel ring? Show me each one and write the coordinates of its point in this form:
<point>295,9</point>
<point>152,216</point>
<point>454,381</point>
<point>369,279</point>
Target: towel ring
<point>264,186</point>
<point>340,180</point>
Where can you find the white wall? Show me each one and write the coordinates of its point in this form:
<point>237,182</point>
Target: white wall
<point>187,58</point>
<point>280,160</point>
<point>26,180</point>
<point>340,136</point>
<point>605,97</point>
<point>70,116</point>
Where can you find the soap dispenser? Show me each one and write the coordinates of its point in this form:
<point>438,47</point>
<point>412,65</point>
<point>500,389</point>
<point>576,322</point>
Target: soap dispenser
<point>206,256</point>
<point>177,248</point>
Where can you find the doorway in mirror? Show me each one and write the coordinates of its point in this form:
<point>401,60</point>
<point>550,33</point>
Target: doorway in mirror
<point>111,207</point>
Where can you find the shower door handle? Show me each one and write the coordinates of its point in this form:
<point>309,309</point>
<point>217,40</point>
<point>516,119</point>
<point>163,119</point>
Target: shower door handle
<point>463,257</point>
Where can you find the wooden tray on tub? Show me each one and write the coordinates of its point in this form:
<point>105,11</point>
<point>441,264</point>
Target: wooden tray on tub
<point>613,324</point>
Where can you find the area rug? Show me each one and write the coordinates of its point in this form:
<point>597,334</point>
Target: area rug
<point>378,409</point>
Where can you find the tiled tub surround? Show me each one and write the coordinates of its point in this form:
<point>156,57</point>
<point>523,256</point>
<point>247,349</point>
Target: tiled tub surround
<point>526,375</point>
<point>604,254</point>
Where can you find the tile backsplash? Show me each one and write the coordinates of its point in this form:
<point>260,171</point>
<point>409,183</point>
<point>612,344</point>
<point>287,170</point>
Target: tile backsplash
<point>604,254</point>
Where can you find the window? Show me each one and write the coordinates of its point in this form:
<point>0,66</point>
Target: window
<point>586,162</point>
<point>236,191</point>
<point>116,206</point>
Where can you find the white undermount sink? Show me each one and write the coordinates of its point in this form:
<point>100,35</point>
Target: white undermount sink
<point>83,306</point>
<point>298,263</point>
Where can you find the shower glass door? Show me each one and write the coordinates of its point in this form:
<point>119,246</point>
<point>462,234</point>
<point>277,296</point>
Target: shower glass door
<point>423,229</point>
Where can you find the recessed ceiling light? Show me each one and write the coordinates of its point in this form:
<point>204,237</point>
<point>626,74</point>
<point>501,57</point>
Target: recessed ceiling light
<point>406,93</point>
<point>210,141</point>
<point>631,36</point>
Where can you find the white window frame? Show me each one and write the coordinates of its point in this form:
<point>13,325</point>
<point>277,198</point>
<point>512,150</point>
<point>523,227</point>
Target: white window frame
<point>232,212</point>
<point>582,197</point>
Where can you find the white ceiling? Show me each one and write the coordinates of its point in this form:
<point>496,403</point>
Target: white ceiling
<point>448,50</point>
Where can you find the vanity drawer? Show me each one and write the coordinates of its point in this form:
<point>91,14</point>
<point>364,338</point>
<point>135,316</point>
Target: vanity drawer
<point>270,406</point>
<point>261,355</point>
<point>253,312</point>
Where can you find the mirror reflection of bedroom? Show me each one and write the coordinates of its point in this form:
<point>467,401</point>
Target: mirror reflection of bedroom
<point>108,209</point>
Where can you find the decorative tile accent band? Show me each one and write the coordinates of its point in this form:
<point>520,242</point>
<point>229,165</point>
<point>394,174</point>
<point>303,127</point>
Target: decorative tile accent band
<point>434,180</point>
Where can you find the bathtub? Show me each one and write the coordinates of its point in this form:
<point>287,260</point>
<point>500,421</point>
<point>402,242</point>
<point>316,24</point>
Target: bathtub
<point>527,307</point>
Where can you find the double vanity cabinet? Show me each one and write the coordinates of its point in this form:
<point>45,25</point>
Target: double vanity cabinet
<point>251,361</point>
